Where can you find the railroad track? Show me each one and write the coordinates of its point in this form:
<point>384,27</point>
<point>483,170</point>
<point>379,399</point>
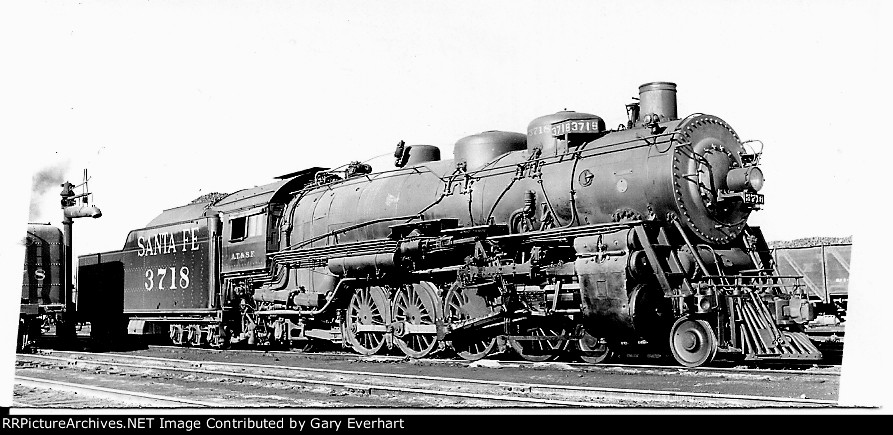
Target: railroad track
<point>485,392</point>
<point>88,395</point>
<point>829,370</point>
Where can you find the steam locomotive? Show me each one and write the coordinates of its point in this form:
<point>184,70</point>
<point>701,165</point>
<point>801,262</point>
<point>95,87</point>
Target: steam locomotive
<point>569,237</point>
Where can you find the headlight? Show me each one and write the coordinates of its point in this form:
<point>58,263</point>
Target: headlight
<point>741,179</point>
<point>705,304</point>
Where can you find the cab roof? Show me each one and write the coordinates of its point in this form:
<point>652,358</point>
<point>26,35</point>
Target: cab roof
<point>278,192</point>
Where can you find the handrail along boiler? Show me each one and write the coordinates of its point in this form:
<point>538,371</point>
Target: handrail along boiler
<point>571,237</point>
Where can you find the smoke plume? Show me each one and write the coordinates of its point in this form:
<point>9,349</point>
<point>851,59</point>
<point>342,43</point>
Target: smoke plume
<point>46,182</point>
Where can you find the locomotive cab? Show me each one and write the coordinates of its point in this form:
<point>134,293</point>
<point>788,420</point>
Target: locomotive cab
<point>251,220</point>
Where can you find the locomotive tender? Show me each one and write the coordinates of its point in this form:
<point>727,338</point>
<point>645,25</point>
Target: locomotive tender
<point>572,235</point>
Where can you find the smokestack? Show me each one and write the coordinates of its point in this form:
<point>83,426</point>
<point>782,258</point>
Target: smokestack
<point>657,98</point>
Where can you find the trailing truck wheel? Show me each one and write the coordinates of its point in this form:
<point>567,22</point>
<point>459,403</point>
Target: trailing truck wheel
<point>594,350</point>
<point>692,342</point>
<point>461,304</point>
<point>540,350</point>
<point>415,312</point>
<point>367,317</point>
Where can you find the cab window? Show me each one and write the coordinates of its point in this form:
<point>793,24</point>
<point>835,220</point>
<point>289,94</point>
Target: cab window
<point>238,228</point>
<point>255,225</point>
<point>247,226</point>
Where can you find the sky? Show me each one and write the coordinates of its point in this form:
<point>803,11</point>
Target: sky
<point>163,101</point>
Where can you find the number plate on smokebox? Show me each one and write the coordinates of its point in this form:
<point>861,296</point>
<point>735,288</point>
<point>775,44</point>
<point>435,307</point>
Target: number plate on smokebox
<point>753,198</point>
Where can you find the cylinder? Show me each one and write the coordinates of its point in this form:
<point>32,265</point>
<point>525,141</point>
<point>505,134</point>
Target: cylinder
<point>657,98</point>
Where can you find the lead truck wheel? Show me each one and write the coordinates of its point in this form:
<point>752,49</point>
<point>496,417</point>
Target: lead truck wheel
<point>593,350</point>
<point>693,342</point>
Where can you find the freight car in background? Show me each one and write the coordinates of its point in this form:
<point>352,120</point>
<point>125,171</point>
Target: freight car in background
<point>825,267</point>
<point>824,264</point>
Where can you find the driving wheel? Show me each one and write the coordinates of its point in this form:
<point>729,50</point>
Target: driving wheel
<point>464,304</point>
<point>367,317</point>
<point>415,312</point>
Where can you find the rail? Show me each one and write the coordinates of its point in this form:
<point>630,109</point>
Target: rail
<point>130,397</point>
<point>490,390</point>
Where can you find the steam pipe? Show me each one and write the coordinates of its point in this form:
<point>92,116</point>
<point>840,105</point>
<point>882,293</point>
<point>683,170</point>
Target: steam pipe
<point>316,312</point>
